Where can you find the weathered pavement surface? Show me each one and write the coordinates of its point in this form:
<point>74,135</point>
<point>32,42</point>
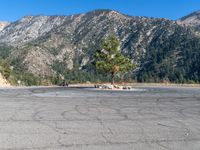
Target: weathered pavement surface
<point>85,119</point>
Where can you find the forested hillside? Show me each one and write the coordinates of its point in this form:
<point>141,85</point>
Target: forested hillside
<point>47,49</point>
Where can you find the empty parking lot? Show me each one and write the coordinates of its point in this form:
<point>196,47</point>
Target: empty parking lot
<point>150,118</point>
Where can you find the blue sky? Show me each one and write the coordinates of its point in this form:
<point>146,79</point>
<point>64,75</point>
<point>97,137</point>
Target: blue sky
<point>11,10</point>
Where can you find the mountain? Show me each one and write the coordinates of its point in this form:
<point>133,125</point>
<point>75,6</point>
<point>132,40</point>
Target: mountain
<point>192,20</point>
<point>3,25</point>
<point>47,46</point>
<point>29,28</point>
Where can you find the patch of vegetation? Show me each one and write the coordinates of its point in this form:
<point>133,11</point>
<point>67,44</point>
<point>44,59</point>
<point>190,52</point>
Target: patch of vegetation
<point>26,79</point>
<point>5,68</point>
<point>5,51</point>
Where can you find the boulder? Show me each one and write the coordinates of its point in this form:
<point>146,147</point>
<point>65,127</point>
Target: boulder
<point>104,86</point>
<point>110,86</point>
<point>107,86</point>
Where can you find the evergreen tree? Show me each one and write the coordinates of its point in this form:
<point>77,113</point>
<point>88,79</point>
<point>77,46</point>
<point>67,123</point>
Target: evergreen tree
<point>110,60</point>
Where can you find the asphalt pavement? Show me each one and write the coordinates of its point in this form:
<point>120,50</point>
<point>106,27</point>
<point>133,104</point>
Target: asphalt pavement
<point>146,118</point>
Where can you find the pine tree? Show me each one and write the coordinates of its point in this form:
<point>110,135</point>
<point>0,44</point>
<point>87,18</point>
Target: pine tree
<point>110,60</point>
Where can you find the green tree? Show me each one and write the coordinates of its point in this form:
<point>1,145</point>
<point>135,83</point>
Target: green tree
<point>110,60</point>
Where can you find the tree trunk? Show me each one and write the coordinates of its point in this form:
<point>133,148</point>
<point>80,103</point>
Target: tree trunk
<point>112,78</point>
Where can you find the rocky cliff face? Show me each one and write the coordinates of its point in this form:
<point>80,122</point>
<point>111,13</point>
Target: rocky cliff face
<point>39,41</point>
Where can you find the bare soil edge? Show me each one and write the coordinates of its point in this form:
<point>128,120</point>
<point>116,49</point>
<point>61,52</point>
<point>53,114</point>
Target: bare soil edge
<point>4,82</point>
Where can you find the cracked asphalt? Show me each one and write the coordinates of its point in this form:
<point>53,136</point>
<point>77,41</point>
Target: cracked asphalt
<point>156,118</point>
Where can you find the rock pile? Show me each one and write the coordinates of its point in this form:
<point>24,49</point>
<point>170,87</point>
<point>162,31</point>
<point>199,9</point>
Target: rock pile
<point>110,86</point>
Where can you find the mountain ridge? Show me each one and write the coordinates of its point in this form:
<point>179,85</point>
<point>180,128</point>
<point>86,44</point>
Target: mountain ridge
<point>3,24</point>
<point>41,44</point>
<point>192,20</point>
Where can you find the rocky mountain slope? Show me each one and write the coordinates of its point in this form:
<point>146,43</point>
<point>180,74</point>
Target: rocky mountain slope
<point>42,44</point>
<point>192,20</point>
<point>3,25</point>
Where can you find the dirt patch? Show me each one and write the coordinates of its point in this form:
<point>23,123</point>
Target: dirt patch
<point>3,81</point>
